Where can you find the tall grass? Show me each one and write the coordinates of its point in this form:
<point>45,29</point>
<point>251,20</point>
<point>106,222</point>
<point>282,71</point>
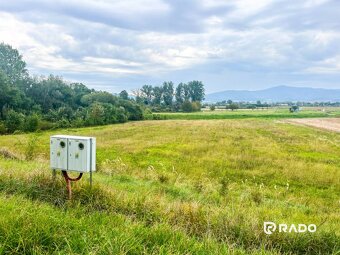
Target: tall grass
<point>202,187</point>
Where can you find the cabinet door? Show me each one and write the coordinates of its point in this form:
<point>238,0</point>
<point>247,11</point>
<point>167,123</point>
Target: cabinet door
<point>58,153</point>
<point>78,158</point>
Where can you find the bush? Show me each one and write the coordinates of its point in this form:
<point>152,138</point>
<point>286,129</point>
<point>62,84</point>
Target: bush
<point>45,125</point>
<point>63,123</point>
<point>121,115</point>
<point>96,114</point>
<point>188,106</point>
<point>212,107</point>
<point>233,106</point>
<point>31,147</point>
<point>135,112</point>
<point>78,122</point>
<point>13,121</point>
<point>31,123</point>
<point>3,129</point>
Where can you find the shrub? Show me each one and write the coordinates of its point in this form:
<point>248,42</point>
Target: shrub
<point>188,106</point>
<point>3,129</point>
<point>45,125</point>
<point>31,146</point>
<point>78,122</point>
<point>13,121</point>
<point>96,114</point>
<point>233,106</point>
<point>121,115</point>
<point>196,106</point>
<point>212,107</point>
<point>63,123</point>
<point>31,123</point>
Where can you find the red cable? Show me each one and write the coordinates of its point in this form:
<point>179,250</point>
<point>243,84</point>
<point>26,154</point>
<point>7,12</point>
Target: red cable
<point>68,182</point>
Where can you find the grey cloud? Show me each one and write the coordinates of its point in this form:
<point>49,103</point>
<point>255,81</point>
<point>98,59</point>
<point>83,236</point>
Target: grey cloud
<point>110,47</point>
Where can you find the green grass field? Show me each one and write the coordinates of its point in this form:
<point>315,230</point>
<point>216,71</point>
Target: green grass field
<point>176,187</point>
<point>271,113</point>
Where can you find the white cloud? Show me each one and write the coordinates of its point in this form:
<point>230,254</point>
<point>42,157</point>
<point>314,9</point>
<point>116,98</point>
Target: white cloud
<point>145,39</point>
<point>327,66</point>
<point>314,3</point>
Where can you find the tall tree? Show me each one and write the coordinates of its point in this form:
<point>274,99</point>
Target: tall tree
<point>168,93</point>
<point>124,95</point>
<point>158,94</point>
<point>179,94</point>
<point>196,89</point>
<point>186,92</point>
<point>147,93</point>
<point>80,90</point>
<point>10,97</point>
<point>4,92</point>
<point>12,64</point>
<point>138,94</point>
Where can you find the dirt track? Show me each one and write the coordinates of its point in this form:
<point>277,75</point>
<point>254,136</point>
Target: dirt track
<point>332,124</point>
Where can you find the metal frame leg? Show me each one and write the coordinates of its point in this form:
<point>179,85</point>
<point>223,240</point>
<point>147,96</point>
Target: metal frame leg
<point>91,179</point>
<point>54,174</point>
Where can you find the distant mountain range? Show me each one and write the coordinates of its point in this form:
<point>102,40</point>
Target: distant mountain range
<point>277,94</point>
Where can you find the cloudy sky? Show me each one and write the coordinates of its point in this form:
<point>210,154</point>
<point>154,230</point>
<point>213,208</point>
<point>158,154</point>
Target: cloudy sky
<point>228,44</point>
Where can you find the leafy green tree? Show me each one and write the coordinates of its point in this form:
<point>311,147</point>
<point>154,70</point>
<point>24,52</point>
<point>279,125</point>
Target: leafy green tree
<point>124,95</point>
<point>212,107</point>
<point>147,94</point>
<point>10,97</point>
<point>100,96</point>
<point>294,108</point>
<point>179,94</point>
<point>234,106</point>
<point>196,90</point>
<point>168,93</point>
<point>79,90</point>
<point>12,64</point>
<point>158,95</point>
<point>122,115</point>
<point>4,92</point>
<point>186,92</point>
<point>96,114</point>
<point>51,93</point>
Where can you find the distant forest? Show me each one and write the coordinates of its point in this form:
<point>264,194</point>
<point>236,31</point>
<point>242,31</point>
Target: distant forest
<point>30,103</point>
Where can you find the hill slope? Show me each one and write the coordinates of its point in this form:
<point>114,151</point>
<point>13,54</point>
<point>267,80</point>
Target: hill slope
<point>278,94</point>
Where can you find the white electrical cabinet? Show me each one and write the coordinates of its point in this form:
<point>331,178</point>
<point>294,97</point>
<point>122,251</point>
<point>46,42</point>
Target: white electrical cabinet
<point>58,152</point>
<point>73,153</point>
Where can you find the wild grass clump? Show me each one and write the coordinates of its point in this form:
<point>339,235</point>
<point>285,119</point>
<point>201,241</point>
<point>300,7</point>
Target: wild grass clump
<point>224,186</point>
<point>112,166</point>
<point>7,154</point>
<point>31,146</point>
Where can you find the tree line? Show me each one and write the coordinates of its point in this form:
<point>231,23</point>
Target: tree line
<point>29,103</point>
<point>185,97</point>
